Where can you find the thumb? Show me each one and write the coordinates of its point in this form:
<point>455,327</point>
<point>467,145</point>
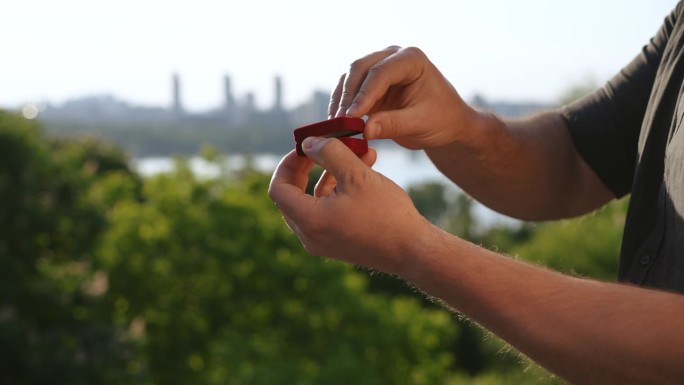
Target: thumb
<point>338,160</point>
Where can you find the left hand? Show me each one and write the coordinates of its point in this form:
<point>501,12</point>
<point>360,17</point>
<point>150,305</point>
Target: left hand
<point>406,98</point>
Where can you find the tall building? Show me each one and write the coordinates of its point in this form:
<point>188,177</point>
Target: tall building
<point>250,102</point>
<point>228,99</point>
<point>278,103</point>
<point>176,86</point>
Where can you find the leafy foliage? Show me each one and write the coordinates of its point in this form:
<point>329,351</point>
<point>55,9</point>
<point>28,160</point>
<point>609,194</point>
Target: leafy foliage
<point>108,278</point>
<point>52,324</point>
<point>227,295</point>
<point>164,139</point>
<point>588,246</point>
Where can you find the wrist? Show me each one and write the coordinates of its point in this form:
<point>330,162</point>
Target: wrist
<point>473,136</point>
<point>422,254</point>
<point>469,130</point>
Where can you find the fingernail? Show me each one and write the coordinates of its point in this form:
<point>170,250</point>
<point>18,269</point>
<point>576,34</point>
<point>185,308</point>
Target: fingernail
<point>371,131</point>
<point>352,109</point>
<point>310,143</point>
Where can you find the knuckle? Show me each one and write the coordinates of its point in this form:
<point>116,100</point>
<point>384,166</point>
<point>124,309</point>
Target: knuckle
<point>346,94</point>
<point>328,147</point>
<point>378,74</point>
<point>393,126</point>
<point>361,179</point>
<point>377,70</point>
<point>413,51</point>
<point>357,65</point>
<point>346,98</point>
<point>356,178</point>
<point>395,123</point>
<point>361,96</point>
<point>393,48</point>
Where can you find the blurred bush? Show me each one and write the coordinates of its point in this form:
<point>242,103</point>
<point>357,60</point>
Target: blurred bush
<point>227,295</point>
<point>106,278</point>
<point>54,323</point>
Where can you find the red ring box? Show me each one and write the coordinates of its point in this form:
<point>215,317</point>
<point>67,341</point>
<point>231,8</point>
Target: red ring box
<point>341,128</point>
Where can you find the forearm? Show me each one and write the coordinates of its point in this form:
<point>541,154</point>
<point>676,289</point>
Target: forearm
<point>527,169</point>
<point>585,331</point>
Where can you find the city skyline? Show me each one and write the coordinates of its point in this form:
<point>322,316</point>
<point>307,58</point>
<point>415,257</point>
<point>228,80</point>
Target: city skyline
<point>235,107</point>
<point>232,106</point>
<point>234,124</point>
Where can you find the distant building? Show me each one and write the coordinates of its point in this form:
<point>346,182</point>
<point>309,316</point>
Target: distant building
<point>228,98</point>
<point>231,113</point>
<point>250,102</point>
<point>176,89</point>
<point>107,109</point>
<point>278,99</point>
<point>314,110</point>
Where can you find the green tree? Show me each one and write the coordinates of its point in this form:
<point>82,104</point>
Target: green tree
<point>110,279</point>
<point>107,278</point>
<point>587,246</point>
<point>227,295</point>
<point>54,326</point>
<point>430,201</point>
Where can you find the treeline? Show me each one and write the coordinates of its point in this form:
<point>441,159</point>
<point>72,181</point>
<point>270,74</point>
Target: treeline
<point>108,278</point>
<point>144,140</point>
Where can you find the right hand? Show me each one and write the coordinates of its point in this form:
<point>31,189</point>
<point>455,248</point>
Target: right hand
<point>356,215</point>
<point>405,97</point>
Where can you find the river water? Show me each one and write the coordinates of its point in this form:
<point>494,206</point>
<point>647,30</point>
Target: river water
<point>404,167</point>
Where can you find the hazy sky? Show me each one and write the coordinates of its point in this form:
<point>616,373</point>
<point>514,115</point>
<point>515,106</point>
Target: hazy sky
<point>515,50</point>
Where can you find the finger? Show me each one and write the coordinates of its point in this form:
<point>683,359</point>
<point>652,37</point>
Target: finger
<point>335,97</point>
<point>293,170</point>
<point>356,75</point>
<point>401,68</point>
<point>370,157</point>
<point>327,182</point>
<point>337,159</point>
<point>288,185</point>
<point>394,124</point>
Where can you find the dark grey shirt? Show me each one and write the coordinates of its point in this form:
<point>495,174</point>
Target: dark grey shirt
<point>629,133</point>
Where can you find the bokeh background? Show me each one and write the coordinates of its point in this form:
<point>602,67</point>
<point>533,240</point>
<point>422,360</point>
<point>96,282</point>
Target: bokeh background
<point>137,138</point>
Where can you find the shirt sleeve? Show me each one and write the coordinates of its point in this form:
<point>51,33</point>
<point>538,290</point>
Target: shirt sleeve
<point>605,124</point>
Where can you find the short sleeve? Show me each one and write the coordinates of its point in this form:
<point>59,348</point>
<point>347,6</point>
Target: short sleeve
<point>605,124</point>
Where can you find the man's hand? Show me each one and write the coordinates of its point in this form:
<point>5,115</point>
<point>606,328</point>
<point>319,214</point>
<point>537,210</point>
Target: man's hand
<point>406,98</point>
<point>356,214</point>
<point>528,168</point>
